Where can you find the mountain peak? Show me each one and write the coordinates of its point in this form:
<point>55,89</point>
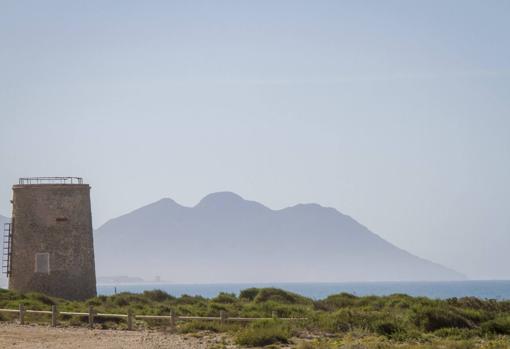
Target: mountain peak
<point>223,198</point>
<point>164,203</point>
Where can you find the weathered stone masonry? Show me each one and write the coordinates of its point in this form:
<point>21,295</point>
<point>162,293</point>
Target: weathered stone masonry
<point>52,243</point>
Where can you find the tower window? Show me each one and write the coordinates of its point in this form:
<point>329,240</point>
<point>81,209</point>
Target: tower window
<point>42,263</point>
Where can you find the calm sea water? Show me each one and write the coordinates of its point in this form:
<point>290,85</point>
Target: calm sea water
<point>480,289</point>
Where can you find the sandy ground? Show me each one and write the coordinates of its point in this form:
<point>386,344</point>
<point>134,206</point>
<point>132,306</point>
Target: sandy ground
<point>36,337</point>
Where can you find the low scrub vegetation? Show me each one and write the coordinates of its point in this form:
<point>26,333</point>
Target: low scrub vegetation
<point>262,333</point>
<point>338,321</point>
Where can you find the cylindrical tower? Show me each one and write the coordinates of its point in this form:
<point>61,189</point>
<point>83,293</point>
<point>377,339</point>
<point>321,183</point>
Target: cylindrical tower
<point>51,248</point>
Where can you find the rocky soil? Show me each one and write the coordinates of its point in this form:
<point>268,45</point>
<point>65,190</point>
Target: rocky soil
<point>39,337</point>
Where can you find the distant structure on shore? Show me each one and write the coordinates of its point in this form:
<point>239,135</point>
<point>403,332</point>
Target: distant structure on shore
<point>48,246</point>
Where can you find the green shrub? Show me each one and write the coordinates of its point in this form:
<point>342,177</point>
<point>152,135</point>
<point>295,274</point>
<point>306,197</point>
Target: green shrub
<point>340,321</point>
<point>94,301</point>
<point>124,299</point>
<point>6,294</point>
<point>39,297</point>
<point>78,320</point>
<point>262,333</point>
<point>213,309</point>
<point>121,301</point>
<point>213,326</point>
<point>499,325</point>
<point>191,300</point>
<point>158,295</point>
<point>249,294</point>
<point>281,296</point>
<point>434,318</point>
<point>227,298</point>
<point>456,333</point>
<point>336,301</point>
<point>387,328</point>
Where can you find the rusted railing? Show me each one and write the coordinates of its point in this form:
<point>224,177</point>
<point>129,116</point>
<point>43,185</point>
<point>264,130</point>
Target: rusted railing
<point>51,180</point>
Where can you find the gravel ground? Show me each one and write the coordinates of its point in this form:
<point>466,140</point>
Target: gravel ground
<point>38,337</point>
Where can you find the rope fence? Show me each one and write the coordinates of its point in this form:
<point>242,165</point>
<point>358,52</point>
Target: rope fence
<point>131,317</point>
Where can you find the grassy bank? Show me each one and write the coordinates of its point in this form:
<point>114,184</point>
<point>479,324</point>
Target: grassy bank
<point>338,321</point>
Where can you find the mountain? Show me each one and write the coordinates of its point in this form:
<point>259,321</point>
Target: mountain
<point>225,238</point>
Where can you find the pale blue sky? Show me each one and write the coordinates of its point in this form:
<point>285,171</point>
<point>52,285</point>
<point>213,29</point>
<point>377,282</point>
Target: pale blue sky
<point>394,112</point>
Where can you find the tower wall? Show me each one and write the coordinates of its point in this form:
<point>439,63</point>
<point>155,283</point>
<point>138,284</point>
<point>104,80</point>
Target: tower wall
<point>52,242</point>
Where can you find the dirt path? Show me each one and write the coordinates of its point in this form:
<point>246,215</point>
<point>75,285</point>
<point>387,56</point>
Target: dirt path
<point>39,337</point>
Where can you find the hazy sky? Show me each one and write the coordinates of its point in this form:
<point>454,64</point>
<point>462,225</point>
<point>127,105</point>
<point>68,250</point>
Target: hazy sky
<point>394,112</point>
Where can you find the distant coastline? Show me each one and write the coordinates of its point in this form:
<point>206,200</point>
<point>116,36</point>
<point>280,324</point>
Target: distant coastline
<point>484,289</point>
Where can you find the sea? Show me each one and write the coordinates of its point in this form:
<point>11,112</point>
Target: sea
<point>484,289</point>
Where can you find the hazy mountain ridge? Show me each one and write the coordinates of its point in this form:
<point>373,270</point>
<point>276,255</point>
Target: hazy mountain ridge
<point>225,238</point>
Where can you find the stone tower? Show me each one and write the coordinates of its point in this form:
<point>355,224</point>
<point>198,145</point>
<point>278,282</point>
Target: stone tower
<point>51,245</point>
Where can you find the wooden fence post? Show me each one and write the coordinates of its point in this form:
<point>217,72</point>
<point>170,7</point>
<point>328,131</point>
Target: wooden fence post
<point>21,314</point>
<point>54,316</point>
<point>91,316</point>
<point>173,318</point>
<point>223,316</point>
<point>274,315</point>
<point>130,320</point>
